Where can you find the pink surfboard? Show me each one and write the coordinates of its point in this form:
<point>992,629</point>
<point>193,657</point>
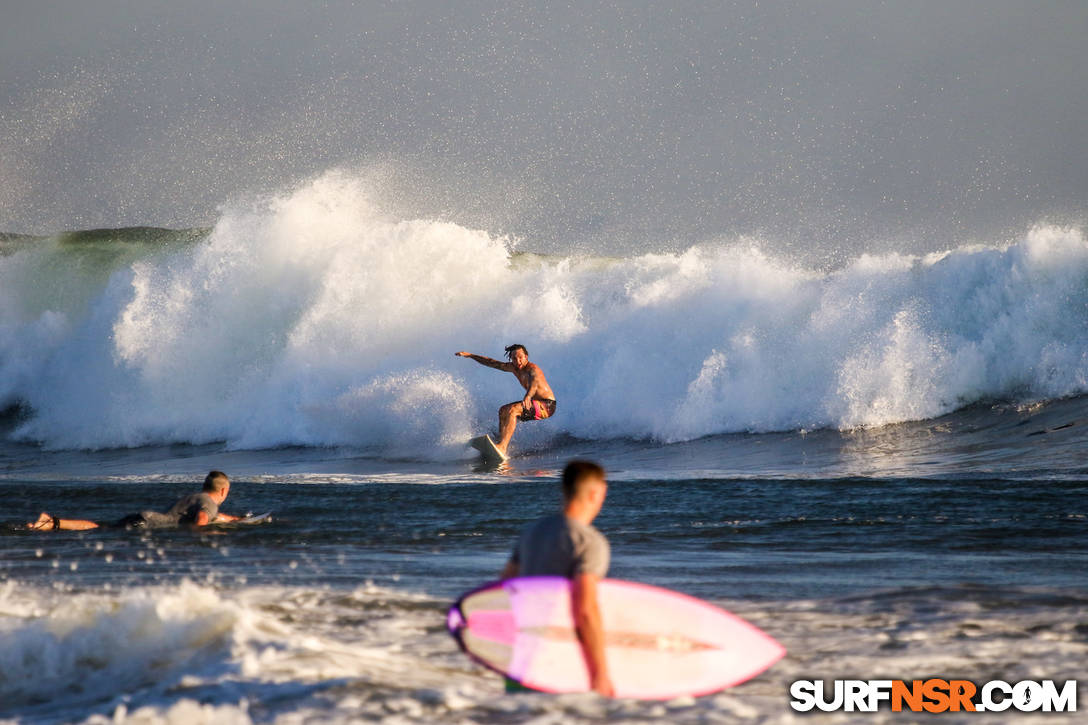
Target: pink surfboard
<point>659,644</point>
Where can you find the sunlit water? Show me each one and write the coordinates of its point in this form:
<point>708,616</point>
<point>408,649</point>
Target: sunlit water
<point>951,548</point>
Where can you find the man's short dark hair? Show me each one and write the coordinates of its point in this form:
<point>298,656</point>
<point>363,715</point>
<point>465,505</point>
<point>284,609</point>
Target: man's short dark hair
<point>577,474</point>
<point>511,349</point>
<point>216,481</point>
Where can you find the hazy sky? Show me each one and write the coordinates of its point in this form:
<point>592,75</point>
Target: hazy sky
<point>824,127</point>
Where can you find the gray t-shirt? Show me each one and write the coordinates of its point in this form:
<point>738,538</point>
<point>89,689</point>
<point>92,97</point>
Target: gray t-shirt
<point>559,546</point>
<point>185,511</point>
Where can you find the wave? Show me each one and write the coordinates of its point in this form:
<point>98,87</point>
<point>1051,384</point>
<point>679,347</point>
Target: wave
<point>164,651</point>
<point>79,648</point>
<point>194,653</point>
<point>312,318</point>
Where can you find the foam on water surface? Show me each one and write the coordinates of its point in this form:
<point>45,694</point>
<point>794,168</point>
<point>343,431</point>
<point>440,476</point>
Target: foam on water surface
<point>191,653</point>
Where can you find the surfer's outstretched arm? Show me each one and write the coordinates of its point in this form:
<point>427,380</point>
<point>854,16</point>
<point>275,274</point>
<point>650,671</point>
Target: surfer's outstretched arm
<point>487,361</point>
<point>587,621</point>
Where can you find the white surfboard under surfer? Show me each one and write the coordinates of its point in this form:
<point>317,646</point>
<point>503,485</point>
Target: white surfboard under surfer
<point>538,403</point>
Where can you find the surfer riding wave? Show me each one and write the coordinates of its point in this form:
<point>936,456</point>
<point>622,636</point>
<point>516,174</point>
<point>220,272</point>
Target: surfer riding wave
<point>539,401</point>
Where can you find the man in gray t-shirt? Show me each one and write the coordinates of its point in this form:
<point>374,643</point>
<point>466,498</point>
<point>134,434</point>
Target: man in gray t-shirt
<point>566,544</point>
<point>187,510</point>
<point>558,545</point>
<point>196,509</point>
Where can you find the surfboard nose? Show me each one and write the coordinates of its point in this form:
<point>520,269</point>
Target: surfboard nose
<point>455,621</point>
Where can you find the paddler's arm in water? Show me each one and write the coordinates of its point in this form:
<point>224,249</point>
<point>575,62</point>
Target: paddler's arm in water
<point>202,518</point>
<point>46,522</point>
<point>587,621</point>
<point>489,362</point>
<point>222,518</point>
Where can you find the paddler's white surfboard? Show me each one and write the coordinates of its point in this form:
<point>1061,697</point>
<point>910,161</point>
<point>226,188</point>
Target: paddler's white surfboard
<point>659,644</point>
<point>487,449</point>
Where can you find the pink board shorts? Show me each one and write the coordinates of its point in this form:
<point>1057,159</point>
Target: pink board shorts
<point>540,410</point>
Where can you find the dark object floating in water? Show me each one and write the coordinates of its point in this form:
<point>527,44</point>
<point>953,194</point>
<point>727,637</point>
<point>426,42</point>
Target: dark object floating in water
<point>1052,430</point>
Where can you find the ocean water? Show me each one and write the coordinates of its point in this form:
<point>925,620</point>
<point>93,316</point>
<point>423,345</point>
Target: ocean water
<point>882,464</point>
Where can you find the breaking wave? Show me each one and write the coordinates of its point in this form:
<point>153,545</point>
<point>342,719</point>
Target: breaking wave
<point>313,318</point>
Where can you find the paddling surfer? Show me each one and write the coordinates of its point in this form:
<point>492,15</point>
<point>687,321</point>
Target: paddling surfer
<point>566,544</point>
<point>538,402</point>
<point>196,509</point>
